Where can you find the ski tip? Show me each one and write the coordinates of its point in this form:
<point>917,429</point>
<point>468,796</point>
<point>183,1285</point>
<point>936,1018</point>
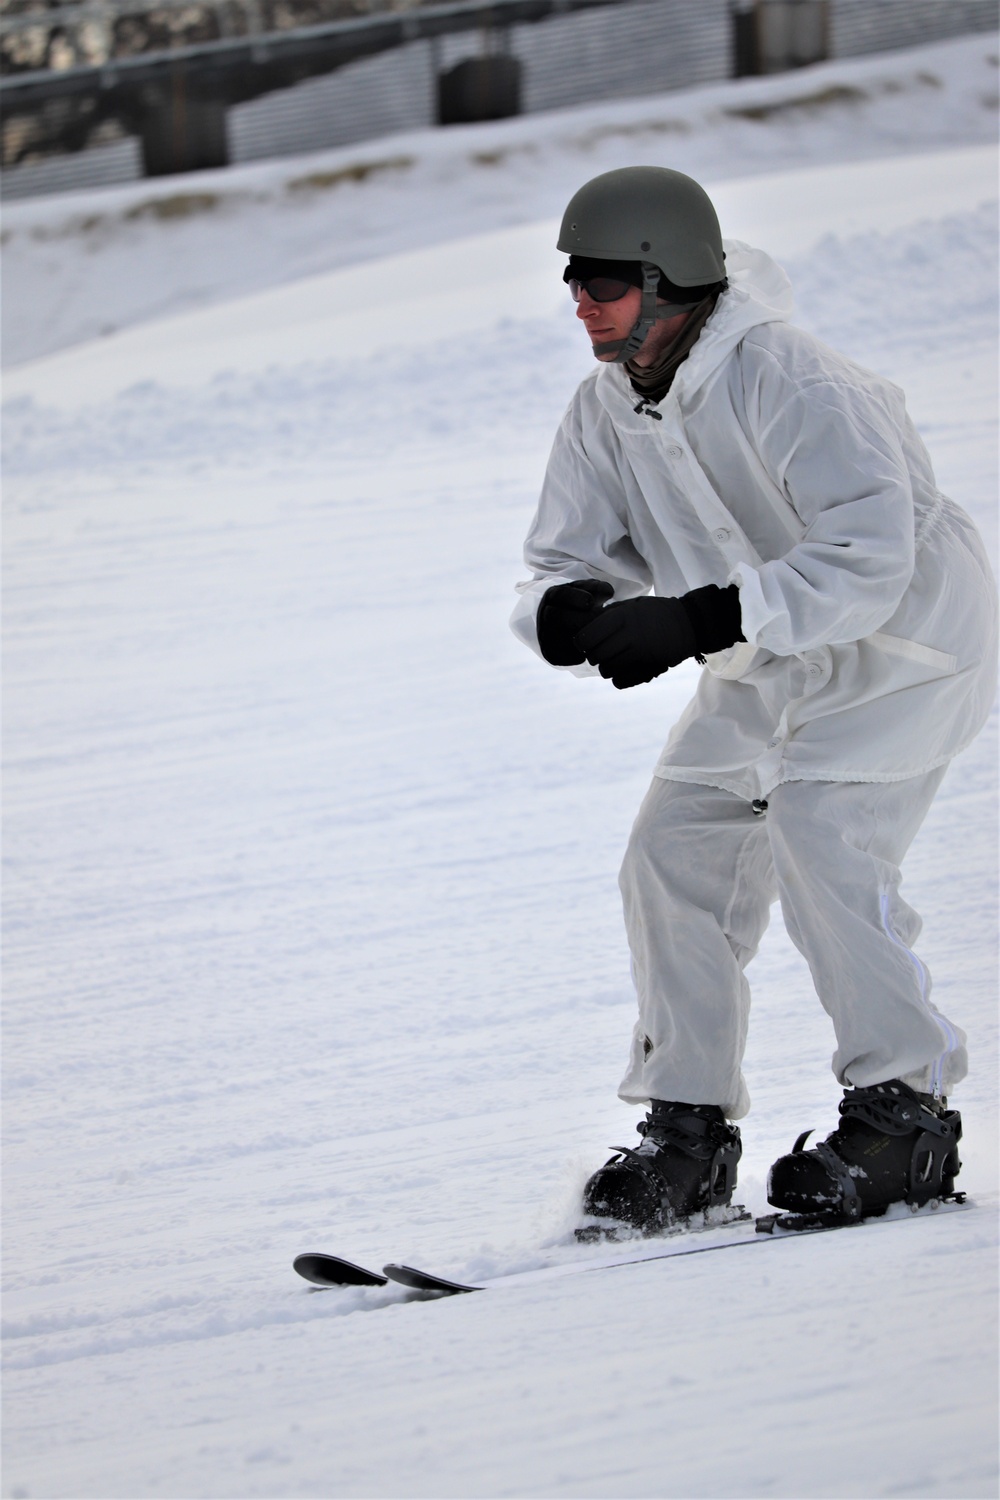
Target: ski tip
<point>330,1270</point>
<point>424,1281</point>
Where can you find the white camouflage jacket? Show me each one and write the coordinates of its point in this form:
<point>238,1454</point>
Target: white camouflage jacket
<point>868,604</point>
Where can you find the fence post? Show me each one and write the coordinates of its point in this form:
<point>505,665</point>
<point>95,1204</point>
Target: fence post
<point>746,61</point>
<point>769,36</point>
<point>790,34</point>
<point>182,131</point>
<point>480,88</point>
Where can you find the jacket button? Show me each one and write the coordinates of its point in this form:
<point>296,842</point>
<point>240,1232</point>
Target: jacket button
<point>722,534</point>
<point>674,452</point>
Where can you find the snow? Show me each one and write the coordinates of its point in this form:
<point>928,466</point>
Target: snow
<point>412,300</point>
<point>312,930</point>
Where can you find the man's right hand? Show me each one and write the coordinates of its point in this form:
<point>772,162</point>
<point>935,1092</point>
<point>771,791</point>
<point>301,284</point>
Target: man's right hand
<point>565,609</point>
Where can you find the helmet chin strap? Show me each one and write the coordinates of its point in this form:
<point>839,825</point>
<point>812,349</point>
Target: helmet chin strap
<point>650,313</point>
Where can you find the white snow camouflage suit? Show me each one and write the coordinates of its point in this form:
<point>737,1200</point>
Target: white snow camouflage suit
<point>869,612</point>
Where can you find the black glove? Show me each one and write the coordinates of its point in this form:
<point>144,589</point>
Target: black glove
<point>564,610</point>
<point>636,640</point>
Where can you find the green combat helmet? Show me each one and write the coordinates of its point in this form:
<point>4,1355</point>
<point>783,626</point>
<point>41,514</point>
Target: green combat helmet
<point>660,218</point>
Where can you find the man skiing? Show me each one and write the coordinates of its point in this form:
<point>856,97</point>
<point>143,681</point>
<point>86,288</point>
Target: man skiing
<point>725,487</point>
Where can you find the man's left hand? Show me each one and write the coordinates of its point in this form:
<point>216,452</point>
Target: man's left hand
<point>636,640</point>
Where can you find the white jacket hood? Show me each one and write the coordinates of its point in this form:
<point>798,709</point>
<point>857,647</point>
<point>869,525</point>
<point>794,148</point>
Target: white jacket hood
<point>759,292</point>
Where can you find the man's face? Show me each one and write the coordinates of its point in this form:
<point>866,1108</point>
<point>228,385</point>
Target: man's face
<point>605,321</point>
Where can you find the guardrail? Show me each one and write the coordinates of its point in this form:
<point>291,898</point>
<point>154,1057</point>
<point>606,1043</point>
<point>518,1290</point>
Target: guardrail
<point>93,32</point>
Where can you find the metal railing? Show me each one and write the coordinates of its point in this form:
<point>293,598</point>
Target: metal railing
<point>35,36</point>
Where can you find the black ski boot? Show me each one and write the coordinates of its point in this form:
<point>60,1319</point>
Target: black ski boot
<point>892,1145</point>
<point>685,1164</point>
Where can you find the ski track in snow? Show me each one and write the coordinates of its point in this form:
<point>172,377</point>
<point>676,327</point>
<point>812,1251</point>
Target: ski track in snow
<point>313,940</point>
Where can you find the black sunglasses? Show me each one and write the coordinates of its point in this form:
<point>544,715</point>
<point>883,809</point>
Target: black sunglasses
<point>599,288</point>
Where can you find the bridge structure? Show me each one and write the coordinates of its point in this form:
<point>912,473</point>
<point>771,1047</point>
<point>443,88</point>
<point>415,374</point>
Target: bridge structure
<point>168,73</point>
<point>175,99</point>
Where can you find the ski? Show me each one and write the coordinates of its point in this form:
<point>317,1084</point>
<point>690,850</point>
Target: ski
<point>330,1270</point>
<point>762,1231</point>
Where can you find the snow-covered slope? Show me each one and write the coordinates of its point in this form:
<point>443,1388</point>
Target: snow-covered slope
<point>420,298</point>
<point>312,931</point>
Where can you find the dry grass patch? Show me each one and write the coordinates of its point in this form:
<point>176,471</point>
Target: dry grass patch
<point>836,93</point>
<point>639,127</point>
<point>320,182</point>
<point>177,206</point>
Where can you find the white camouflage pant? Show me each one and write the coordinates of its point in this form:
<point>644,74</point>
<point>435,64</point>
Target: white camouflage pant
<point>698,881</point>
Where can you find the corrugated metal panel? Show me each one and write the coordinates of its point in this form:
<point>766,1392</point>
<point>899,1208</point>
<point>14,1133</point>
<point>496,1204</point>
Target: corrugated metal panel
<point>618,53</point>
<point>102,166</point>
<point>635,48</point>
<point>860,26</point>
<point>394,91</point>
